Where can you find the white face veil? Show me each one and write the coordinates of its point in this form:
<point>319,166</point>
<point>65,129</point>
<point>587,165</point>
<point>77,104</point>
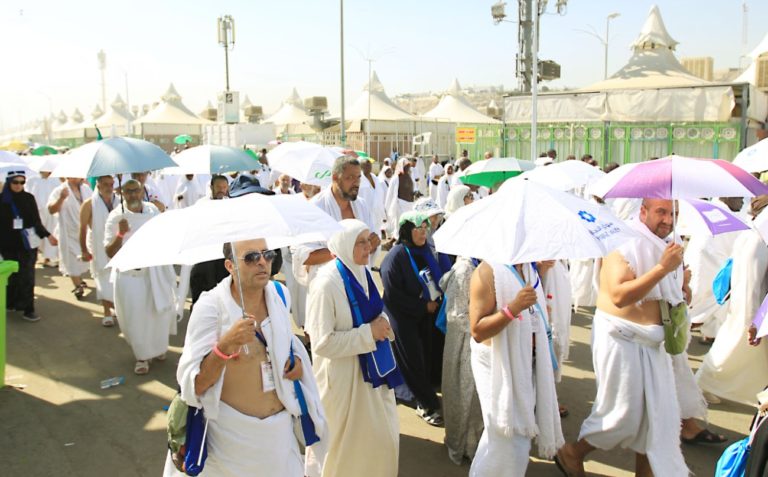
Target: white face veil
<point>342,245</point>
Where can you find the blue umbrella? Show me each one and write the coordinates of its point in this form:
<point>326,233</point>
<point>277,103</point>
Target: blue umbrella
<point>115,155</point>
<point>212,159</point>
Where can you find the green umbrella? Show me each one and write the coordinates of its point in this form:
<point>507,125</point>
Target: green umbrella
<point>490,172</point>
<point>182,139</point>
<point>251,153</point>
<point>44,151</point>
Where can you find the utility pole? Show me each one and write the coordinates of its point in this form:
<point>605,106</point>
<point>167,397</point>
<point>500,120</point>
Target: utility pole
<point>341,39</point>
<point>226,38</point>
<point>102,57</point>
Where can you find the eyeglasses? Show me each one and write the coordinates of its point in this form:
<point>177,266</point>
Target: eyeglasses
<point>252,257</point>
<point>18,182</point>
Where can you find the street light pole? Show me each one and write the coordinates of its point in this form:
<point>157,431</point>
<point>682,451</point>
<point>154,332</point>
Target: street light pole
<point>607,25</point>
<point>368,123</point>
<point>341,39</point>
<point>534,78</point>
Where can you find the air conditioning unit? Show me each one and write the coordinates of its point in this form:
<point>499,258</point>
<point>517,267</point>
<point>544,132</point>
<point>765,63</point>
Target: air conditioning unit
<point>701,67</point>
<point>761,72</point>
<point>549,70</point>
<point>229,107</point>
<point>253,113</point>
<point>316,104</point>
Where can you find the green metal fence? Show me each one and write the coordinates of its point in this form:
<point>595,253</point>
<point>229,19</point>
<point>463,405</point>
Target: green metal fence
<point>607,142</point>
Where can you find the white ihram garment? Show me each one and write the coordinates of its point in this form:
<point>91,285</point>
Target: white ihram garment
<point>733,369</point>
<point>68,219</point>
<point>145,299</point>
<point>94,239</point>
<point>635,406</point>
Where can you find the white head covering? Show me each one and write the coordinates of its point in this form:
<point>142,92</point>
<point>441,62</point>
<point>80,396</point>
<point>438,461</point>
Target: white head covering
<point>342,245</point>
<point>401,163</point>
<point>455,199</point>
<point>383,173</point>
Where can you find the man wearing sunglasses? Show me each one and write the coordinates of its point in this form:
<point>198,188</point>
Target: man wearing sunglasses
<point>237,366</point>
<point>144,298</point>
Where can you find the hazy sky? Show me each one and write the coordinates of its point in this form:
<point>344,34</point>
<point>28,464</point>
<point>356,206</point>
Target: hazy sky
<point>49,46</point>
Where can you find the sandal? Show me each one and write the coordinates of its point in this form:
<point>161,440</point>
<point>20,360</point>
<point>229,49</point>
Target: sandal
<point>78,291</point>
<point>108,321</point>
<point>433,418</point>
<point>162,357</point>
<point>564,412</point>
<point>141,367</point>
<point>705,437</point>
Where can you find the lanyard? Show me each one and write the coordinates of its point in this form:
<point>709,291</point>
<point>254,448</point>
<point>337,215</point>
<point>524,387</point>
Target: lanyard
<point>541,311</point>
<point>413,263</point>
<point>263,341</point>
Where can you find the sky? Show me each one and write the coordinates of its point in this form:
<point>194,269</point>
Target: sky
<point>49,47</point>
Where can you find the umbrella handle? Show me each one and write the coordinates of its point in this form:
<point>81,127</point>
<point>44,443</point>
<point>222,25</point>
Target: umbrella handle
<point>243,348</point>
<point>674,229</point>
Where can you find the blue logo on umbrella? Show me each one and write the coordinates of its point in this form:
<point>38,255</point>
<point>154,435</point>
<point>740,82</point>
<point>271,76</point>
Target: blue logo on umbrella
<point>586,216</point>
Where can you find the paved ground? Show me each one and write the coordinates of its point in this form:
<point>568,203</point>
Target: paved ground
<point>56,420</point>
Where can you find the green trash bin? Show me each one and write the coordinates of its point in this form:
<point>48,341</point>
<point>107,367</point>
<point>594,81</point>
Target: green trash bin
<point>6,269</point>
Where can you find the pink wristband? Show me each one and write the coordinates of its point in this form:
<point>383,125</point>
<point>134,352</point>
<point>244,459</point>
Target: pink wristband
<point>505,311</point>
<point>120,234</point>
<point>220,354</point>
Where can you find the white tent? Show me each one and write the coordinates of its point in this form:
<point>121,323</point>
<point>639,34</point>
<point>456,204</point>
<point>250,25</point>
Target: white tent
<point>170,118</point>
<point>381,107</point>
<point>117,119</point>
<point>454,107</point>
<point>291,112</point>
<point>652,86</point>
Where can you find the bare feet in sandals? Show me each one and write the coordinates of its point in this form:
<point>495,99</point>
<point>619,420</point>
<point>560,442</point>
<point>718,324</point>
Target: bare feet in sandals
<point>569,463</point>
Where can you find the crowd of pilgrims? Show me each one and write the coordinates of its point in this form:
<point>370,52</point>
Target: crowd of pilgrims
<point>442,369</point>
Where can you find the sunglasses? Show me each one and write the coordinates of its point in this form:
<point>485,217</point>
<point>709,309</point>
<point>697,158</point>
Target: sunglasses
<point>252,257</point>
<point>18,182</point>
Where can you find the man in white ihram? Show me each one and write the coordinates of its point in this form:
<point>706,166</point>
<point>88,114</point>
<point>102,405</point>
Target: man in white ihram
<point>236,366</point>
<point>145,299</point>
<point>65,201</point>
<point>636,405</point>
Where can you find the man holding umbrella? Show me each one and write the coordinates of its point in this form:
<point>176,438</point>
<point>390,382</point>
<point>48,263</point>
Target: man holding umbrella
<point>636,404</point>
<point>144,298</point>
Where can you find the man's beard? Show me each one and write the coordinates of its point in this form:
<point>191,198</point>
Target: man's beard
<point>350,196</point>
<point>133,205</point>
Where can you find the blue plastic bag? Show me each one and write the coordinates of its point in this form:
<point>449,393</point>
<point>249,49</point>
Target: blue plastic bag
<point>733,461</point>
<point>441,322</point>
<point>721,285</point>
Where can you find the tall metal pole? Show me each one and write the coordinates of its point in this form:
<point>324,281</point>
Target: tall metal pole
<point>605,63</point>
<point>226,64</point>
<point>534,77</point>
<point>341,39</point>
<point>368,124</point>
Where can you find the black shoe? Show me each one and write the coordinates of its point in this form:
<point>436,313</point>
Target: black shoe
<point>31,316</point>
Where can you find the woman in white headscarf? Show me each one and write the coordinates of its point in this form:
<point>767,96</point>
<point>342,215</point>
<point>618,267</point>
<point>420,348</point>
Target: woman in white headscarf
<point>359,401</point>
<point>458,197</point>
<point>461,406</point>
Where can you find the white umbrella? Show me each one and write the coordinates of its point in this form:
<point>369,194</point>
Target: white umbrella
<point>304,161</point>
<point>761,224</point>
<point>527,222</point>
<point>10,161</point>
<point>195,234</point>
<point>47,163</point>
<point>753,159</point>
<point>212,159</point>
<point>115,155</point>
<point>704,217</point>
<point>566,175</point>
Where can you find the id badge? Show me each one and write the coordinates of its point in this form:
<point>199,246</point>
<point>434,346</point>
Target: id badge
<point>267,378</point>
<point>18,223</point>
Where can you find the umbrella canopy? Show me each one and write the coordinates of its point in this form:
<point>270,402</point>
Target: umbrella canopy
<point>754,158</point>
<point>197,233</point>
<point>182,139</point>
<point>759,320</point>
<point>47,163</point>
<point>701,216</point>
<point>489,172</point>
<point>761,224</point>
<point>527,222</point>
<point>44,151</point>
<point>304,161</point>
<point>211,159</point>
<point>10,161</point>
<point>16,146</point>
<point>115,155</point>
<point>678,177</point>
<point>567,175</point>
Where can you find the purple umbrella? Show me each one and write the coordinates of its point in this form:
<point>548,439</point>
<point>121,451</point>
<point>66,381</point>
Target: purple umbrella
<point>678,177</point>
<point>700,216</point>
<point>759,320</point>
